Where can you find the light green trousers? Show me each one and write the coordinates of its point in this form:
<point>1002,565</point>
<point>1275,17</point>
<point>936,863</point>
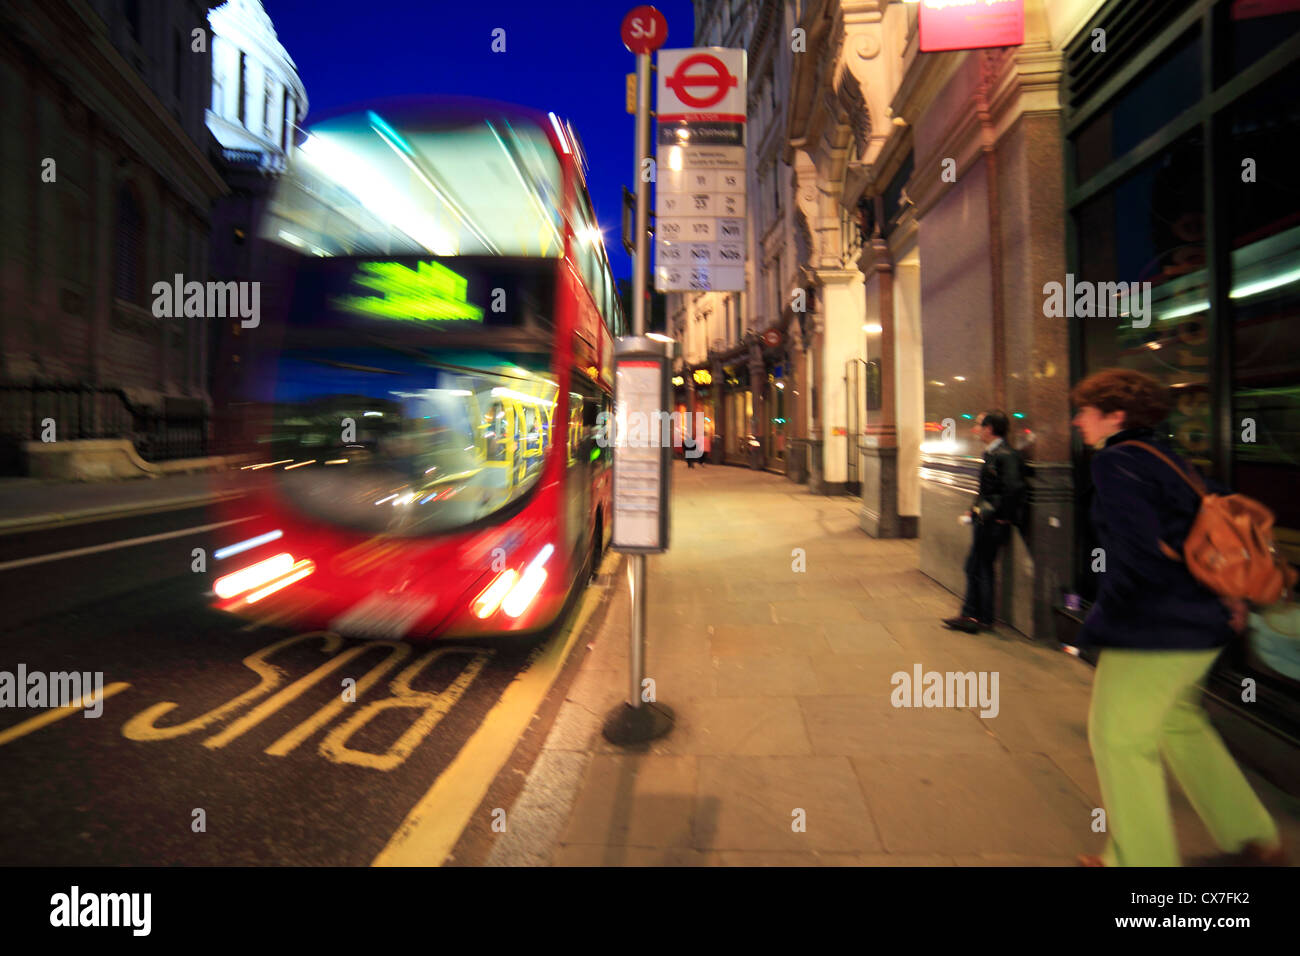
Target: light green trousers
<point>1146,704</point>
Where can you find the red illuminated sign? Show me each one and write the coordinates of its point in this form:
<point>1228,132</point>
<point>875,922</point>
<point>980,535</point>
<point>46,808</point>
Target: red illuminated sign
<point>971,24</point>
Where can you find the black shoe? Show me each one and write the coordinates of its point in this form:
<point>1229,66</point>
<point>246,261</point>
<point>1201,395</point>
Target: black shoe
<point>967,624</point>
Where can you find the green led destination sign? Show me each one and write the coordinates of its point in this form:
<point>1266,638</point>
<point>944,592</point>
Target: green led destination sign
<point>429,293</point>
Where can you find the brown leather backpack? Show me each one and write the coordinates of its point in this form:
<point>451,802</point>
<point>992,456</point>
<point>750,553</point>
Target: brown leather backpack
<point>1230,547</point>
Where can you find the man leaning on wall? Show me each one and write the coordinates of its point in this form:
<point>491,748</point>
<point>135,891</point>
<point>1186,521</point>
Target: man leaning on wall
<point>992,516</point>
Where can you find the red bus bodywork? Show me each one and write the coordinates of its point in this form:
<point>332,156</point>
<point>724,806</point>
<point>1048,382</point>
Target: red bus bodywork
<point>425,588</point>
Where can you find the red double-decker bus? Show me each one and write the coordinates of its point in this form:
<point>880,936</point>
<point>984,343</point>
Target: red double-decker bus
<point>423,384</point>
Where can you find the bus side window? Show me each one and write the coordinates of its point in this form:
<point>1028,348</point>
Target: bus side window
<point>575,427</point>
<point>495,432</point>
<point>532,440</point>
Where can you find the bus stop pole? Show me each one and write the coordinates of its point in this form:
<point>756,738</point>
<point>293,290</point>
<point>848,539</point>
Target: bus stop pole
<point>636,723</point>
<point>637,566</point>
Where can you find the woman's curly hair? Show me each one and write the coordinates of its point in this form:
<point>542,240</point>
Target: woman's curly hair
<point>1143,400</point>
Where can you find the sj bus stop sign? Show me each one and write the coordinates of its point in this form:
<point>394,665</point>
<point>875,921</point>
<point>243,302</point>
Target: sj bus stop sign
<point>644,30</point>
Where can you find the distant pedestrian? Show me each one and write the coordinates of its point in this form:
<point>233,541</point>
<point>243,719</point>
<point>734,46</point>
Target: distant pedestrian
<point>1160,632</point>
<point>995,511</point>
<point>690,450</point>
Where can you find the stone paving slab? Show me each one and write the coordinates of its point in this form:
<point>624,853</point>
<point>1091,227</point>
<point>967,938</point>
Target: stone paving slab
<point>788,748</point>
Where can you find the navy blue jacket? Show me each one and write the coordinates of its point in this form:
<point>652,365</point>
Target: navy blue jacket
<point>1002,486</point>
<point>1146,600</point>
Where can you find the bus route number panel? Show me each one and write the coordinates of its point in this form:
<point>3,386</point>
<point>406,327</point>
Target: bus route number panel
<point>640,458</point>
<point>700,219</point>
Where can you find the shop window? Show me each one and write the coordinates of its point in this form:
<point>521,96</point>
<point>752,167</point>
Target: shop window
<point>1254,28</point>
<point>1168,87</point>
<point>1150,227</point>
<point>1265,303</point>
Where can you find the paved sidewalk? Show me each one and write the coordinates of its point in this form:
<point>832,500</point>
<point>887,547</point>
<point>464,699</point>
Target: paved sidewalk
<point>781,681</point>
<point>27,503</point>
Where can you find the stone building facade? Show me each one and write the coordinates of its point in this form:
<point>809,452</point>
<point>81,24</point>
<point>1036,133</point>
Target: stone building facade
<point>257,106</point>
<point>746,385</point>
<point>933,185</point>
<point>936,196</point>
<point>106,188</point>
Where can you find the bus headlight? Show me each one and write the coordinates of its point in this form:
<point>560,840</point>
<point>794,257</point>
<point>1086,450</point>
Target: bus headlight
<point>523,593</point>
<point>512,592</point>
<point>255,575</point>
<point>486,604</point>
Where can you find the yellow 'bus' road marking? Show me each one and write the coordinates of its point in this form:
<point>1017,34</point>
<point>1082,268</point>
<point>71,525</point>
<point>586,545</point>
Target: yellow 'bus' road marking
<point>295,690</point>
<point>50,716</point>
<point>396,654</point>
<point>432,707</point>
<point>433,826</point>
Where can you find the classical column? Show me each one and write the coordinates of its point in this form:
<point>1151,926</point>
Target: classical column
<point>879,516</point>
<point>842,311</point>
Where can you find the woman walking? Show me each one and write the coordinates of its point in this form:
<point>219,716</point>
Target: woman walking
<point>1160,632</point>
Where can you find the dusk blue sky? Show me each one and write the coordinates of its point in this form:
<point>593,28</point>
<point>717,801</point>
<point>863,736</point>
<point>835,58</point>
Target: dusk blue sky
<point>561,56</point>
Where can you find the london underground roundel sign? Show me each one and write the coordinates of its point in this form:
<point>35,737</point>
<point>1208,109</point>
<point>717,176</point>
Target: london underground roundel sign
<point>644,30</point>
<point>704,72</point>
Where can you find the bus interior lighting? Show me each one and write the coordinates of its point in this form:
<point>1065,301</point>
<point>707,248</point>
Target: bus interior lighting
<point>500,392</point>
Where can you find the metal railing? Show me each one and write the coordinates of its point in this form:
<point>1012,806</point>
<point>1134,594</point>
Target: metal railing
<point>89,411</point>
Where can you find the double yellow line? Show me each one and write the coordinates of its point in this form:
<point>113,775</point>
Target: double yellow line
<point>431,829</point>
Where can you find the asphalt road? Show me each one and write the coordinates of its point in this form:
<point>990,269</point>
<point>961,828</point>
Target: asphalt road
<point>226,745</point>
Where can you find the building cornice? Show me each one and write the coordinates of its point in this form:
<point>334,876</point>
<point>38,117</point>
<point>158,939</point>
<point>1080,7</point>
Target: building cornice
<point>806,93</point>
<point>924,79</point>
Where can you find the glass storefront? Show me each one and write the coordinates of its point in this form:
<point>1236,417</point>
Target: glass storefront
<point>1184,178</point>
<point>1264,233</point>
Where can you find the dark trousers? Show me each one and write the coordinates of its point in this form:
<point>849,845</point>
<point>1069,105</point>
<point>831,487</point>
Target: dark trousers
<point>986,539</point>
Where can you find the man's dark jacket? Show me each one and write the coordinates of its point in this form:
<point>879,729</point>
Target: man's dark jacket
<point>1002,486</point>
<point>1146,600</point>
